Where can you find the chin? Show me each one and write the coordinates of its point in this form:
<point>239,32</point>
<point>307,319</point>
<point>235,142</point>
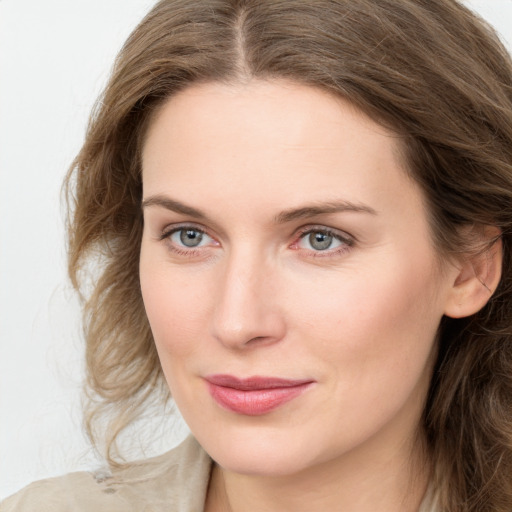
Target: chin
<point>260,451</point>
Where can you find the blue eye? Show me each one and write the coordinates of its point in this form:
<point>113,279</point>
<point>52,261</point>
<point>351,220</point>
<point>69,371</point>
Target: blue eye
<point>189,238</point>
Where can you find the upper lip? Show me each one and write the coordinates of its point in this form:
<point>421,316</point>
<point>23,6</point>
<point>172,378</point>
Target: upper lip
<point>255,382</point>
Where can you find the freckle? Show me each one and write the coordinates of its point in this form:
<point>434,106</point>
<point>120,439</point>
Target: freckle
<point>109,490</point>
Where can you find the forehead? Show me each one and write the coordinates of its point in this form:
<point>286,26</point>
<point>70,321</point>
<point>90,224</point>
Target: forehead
<point>276,140</point>
<point>289,112</point>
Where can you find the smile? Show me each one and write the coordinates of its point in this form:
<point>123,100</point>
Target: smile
<point>256,395</point>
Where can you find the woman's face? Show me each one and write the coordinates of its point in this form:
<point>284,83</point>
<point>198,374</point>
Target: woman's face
<point>288,276</point>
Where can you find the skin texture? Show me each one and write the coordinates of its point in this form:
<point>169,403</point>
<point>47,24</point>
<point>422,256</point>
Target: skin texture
<point>256,298</point>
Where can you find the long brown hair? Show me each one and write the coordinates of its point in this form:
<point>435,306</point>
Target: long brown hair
<point>430,70</point>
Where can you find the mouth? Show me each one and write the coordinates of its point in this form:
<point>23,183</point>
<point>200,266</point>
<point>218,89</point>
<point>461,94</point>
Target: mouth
<point>254,396</point>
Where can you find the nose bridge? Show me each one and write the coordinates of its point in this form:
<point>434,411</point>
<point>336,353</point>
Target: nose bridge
<point>245,310</point>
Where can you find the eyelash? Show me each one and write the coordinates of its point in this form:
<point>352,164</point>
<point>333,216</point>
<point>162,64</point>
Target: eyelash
<point>191,251</point>
<point>346,241</point>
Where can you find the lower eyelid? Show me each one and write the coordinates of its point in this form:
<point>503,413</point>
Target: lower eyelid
<point>342,249</point>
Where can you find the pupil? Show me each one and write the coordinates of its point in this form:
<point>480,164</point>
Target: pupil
<point>320,241</point>
<point>190,237</point>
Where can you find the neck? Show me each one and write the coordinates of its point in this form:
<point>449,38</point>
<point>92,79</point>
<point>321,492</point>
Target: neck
<point>393,481</point>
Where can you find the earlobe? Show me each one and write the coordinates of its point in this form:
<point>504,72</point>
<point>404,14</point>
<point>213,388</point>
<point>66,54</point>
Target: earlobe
<point>477,279</point>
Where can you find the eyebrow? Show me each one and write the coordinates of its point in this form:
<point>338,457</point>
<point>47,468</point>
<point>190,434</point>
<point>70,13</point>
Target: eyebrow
<point>315,209</point>
<point>172,205</point>
<point>309,210</point>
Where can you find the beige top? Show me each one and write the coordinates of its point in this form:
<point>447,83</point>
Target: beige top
<point>173,482</point>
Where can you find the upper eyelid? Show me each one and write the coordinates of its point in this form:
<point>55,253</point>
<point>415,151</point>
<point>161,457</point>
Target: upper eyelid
<point>172,228</point>
<point>319,227</point>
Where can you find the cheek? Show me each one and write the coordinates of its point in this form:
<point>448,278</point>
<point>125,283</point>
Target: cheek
<point>374,333</point>
<point>373,324</point>
<point>175,306</point>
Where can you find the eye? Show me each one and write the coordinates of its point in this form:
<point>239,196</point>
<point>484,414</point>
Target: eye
<point>319,241</point>
<point>323,240</point>
<point>188,237</point>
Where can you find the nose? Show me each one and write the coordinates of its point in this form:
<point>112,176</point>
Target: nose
<point>247,310</point>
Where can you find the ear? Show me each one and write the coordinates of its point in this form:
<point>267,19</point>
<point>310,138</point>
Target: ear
<point>477,276</point>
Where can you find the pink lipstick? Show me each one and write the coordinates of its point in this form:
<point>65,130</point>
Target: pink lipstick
<point>254,396</point>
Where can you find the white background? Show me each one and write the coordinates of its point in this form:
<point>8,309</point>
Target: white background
<point>54,59</point>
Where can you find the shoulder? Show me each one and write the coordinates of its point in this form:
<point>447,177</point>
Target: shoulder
<point>176,480</point>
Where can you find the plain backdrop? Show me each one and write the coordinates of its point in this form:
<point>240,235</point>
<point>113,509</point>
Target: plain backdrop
<point>54,60</point>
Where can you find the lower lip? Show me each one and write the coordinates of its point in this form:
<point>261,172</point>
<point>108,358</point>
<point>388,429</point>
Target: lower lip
<point>255,402</point>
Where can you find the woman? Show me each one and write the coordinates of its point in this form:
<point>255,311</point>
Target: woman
<point>303,217</point>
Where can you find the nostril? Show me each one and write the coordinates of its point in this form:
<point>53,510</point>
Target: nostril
<point>256,339</point>
<point>259,340</point>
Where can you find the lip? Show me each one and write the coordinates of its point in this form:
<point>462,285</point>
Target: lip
<point>254,396</point>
